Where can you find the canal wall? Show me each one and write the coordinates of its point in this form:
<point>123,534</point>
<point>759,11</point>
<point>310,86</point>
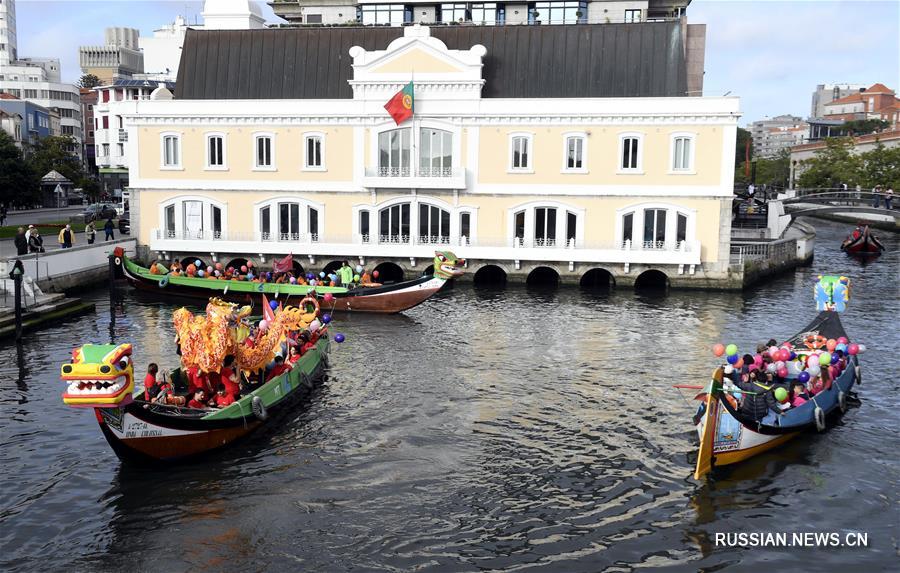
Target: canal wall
<point>759,260</point>
<point>65,269</point>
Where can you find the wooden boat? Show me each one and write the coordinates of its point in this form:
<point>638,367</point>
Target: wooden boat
<point>728,437</point>
<point>390,298</point>
<point>863,243</point>
<point>137,430</point>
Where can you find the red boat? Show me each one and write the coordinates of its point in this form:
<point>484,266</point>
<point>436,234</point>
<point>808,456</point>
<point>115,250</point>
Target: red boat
<point>862,243</point>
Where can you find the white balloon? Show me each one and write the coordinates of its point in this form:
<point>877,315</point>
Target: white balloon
<point>793,367</point>
<point>771,368</point>
<point>814,370</point>
<point>862,348</point>
<point>315,325</point>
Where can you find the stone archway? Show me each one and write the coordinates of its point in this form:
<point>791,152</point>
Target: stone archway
<point>490,275</point>
<point>543,277</point>
<point>389,272</point>
<point>652,280</point>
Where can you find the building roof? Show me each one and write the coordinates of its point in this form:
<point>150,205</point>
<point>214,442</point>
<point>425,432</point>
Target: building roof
<point>855,97</point>
<point>137,84</point>
<point>54,177</point>
<point>879,89</point>
<point>580,60</point>
<point>4,95</point>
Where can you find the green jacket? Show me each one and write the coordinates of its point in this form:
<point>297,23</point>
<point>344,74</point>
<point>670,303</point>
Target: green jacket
<point>346,274</point>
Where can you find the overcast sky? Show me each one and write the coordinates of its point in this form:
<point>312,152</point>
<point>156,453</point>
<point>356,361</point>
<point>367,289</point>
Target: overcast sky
<point>771,53</point>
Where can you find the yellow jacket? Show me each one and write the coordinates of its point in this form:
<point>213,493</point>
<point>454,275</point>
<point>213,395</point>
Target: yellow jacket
<point>62,231</point>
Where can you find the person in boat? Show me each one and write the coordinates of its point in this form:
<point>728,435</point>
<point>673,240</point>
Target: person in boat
<point>166,395</point>
<point>799,396</point>
<point>222,399</point>
<point>293,355</point>
<point>229,377</point>
<point>278,368</point>
<point>365,278</point>
<point>757,398</point>
<point>345,273</point>
<point>150,387</point>
<point>176,270</point>
<point>199,400</point>
<point>198,380</point>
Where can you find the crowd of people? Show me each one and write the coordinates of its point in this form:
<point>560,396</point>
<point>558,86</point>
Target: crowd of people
<point>214,390</point>
<point>30,240</point>
<point>345,276</point>
<point>762,383</point>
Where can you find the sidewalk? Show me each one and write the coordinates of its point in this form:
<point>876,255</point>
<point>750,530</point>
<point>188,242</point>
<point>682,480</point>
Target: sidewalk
<point>8,247</point>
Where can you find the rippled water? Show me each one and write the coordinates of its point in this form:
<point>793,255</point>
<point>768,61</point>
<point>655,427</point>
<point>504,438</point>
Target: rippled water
<point>484,430</point>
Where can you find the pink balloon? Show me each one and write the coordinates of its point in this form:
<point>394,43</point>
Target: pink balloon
<point>263,325</point>
<point>782,372</point>
<point>853,349</point>
<point>831,344</point>
<point>209,269</point>
<point>758,360</point>
<point>779,365</point>
<point>249,264</point>
<point>328,297</point>
<point>784,354</point>
<point>718,349</point>
<point>243,268</point>
<point>842,340</point>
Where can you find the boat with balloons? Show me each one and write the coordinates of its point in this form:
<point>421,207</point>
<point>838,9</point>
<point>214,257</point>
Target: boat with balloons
<point>244,284</point>
<point>820,363</point>
<point>221,347</point>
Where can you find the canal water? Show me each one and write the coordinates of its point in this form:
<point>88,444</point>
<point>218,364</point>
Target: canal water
<point>511,429</point>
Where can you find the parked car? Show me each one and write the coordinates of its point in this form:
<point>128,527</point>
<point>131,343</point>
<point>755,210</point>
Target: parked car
<point>99,211</point>
<point>125,225</point>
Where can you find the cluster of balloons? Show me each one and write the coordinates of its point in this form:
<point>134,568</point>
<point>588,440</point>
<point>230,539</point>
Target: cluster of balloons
<point>787,361</point>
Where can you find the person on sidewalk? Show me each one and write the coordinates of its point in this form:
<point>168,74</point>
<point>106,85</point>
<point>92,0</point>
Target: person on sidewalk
<point>35,242</point>
<point>2,215</point>
<point>90,231</point>
<point>108,228</point>
<point>66,237</point>
<point>21,242</point>
<point>28,233</point>
<point>876,196</point>
<point>888,198</point>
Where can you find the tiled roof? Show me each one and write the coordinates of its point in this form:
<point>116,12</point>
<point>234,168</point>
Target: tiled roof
<point>5,95</point>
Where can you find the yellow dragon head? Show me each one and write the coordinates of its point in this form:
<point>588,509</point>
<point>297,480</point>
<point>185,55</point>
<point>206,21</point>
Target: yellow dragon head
<point>99,376</point>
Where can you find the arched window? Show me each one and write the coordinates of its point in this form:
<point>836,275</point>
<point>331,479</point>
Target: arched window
<point>520,160</point>
<point>546,224</point>
<point>415,220</point>
<point>393,224</point>
<point>435,152</point>
<point>193,217</point>
<point>394,152</point>
<point>290,219</point>
<point>434,224</point>
<point>655,226</point>
<point>631,153</point>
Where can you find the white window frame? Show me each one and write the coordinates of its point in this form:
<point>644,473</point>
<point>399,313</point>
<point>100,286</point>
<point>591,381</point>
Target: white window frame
<point>562,209</point>
<point>304,205</point>
<point>414,201</point>
<point>691,169</point>
<point>178,202</point>
<point>529,137</point>
<point>639,170</point>
<point>415,136</point>
<point>162,151</point>
<point>254,157</point>
<point>209,135</point>
<point>320,135</point>
<point>637,224</point>
<point>584,152</point>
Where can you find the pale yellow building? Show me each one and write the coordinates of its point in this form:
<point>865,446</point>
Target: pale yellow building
<point>622,184</point>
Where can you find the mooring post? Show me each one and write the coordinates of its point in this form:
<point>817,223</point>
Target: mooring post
<point>16,274</point>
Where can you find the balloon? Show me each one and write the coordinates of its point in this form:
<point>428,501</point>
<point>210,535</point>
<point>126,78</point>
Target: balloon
<point>356,278</point>
<point>773,350</point>
<point>739,363</point>
<point>250,276</point>
<point>835,358</point>
<point>250,264</point>
<point>322,275</point>
<point>312,282</point>
<point>201,273</point>
<point>830,344</point>
<point>729,369</point>
<point>375,274</point>
<point>862,348</point>
<point>781,394</point>
<point>218,266</point>
<point>315,325</point>
<point>758,360</point>
<point>328,297</point>
<point>326,318</point>
<point>842,347</point>
<point>243,268</point>
<point>198,262</point>
<point>339,338</point>
<point>779,365</point>
<point>731,350</point>
<point>359,268</point>
<point>793,355</point>
<point>263,325</point>
<point>718,349</point>
<point>782,372</point>
<point>273,304</point>
<point>842,340</point>
<point>737,395</point>
<point>803,377</point>
<point>732,358</point>
<point>824,359</point>
<point>853,349</point>
<point>793,367</point>
<point>293,280</point>
<point>784,354</point>
<point>770,368</point>
<point>814,370</point>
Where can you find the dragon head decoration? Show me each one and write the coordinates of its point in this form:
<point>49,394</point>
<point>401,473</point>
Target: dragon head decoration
<point>99,376</point>
<point>447,265</point>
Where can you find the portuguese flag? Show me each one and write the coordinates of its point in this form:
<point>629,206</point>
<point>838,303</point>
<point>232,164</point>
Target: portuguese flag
<point>401,105</point>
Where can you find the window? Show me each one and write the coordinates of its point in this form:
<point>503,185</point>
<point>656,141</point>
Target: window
<point>313,18</point>
<point>289,221</point>
<point>632,16</point>
<point>681,229</point>
<point>120,123</point>
<point>215,151</point>
<point>394,224</point>
<point>120,149</point>
<point>364,226</point>
<point>487,14</point>
<point>664,226</point>
<point>630,152</point>
<point>394,153</point>
<point>627,226</point>
<point>263,152</point>
<point>264,224</point>
<point>105,149</point>
<point>313,157</point>
<point>171,152</point>
<point>312,218</point>
<point>682,153</point>
<point>465,227</point>
<point>170,221</point>
<point>544,226</point>
<point>452,13</point>
<point>105,94</point>
<point>434,224</point>
<point>391,14</point>
<point>571,228</point>
<point>558,13</point>
<point>192,223</point>
<point>216,222</point>
<point>105,122</point>
<point>520,156</point>
<point>654,228</point>
<point>520,227</point>
<point>436,152</point>
<point>574,153</point>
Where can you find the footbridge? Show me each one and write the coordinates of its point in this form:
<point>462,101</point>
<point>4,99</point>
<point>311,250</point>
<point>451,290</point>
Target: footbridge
<point>837,202</point>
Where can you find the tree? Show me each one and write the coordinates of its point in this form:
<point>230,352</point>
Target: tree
<point>89,81</point>
<point>90,187</point>
<point>18,185</point>
<point>863,126</point>
<point>833,165</point>
<point>52,154</point>
<point>740,150</point>
<point>880,166</point>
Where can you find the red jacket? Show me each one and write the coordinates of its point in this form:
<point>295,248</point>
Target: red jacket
<point>278,371</point>
<point>194,403</point>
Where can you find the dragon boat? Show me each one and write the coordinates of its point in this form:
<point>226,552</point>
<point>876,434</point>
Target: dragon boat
<point>862,243</point>
<point>389,299</point>
<point>101,376</point>
<point>728,437</point>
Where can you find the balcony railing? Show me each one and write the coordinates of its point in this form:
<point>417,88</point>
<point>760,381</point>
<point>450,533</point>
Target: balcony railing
<point>418,172</point>
<point>412,176</point>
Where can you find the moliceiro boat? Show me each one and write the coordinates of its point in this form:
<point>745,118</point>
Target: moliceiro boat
<point>728,435</point>
<point>863,243</point>
<point>390,298</point>
<point>101,376</point>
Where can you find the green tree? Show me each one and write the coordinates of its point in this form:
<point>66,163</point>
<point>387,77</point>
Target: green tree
<point>740,150</point>
<point>863,126</point>
<point>833,165</point>
<point>18,185</point>
<point>52,154</point>
<point>91,188</point>
<point>88,81</point>
<point>880,166</point>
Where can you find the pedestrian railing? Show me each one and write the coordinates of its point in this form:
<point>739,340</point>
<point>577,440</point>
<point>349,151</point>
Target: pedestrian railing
<point>778,251</point>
